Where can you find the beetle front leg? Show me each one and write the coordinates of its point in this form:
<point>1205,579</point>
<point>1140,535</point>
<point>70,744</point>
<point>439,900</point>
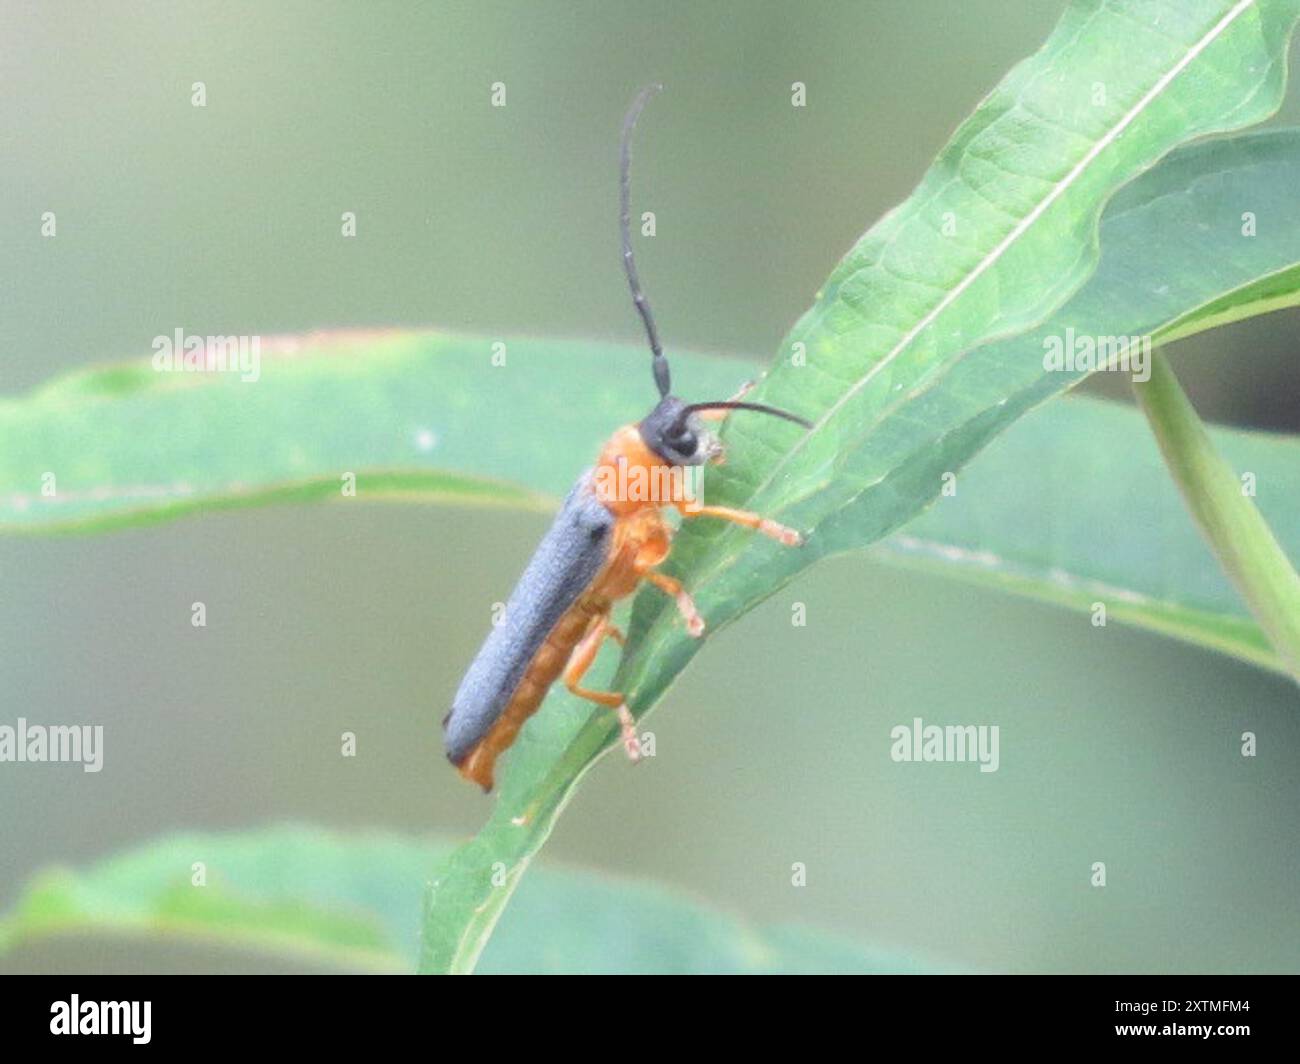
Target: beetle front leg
<point>788,536</point>
<point>580,661</point>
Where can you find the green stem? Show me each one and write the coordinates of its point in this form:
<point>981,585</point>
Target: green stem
<point>1237,533</point>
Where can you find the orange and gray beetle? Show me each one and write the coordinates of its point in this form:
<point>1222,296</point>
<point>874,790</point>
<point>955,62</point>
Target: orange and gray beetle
<point>604,542</point>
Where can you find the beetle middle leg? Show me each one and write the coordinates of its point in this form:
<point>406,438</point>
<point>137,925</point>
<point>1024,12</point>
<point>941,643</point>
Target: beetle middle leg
<point>580,661</point>
<point>685,604</point>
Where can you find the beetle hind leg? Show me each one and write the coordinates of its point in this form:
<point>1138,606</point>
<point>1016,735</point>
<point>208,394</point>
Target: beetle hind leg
<point>580,661</point>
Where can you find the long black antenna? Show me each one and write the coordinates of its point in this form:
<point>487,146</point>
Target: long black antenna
<point>758,408</point>
<point>659,363</point>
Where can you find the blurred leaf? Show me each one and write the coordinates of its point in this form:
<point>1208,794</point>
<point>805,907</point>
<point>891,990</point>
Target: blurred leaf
<point>568,922</point>
<point>911,366</point>
<point>326,899</point>
<point>1073,505</point>
<point>407,412</point>
<point>351,901</point>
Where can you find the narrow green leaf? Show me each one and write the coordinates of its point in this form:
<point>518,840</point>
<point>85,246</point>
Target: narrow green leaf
<point>407,412</point>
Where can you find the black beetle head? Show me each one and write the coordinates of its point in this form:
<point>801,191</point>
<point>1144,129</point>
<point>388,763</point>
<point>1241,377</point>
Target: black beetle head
<point>674,433</point>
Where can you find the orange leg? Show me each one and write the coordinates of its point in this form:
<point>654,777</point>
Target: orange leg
<point>580,661</point>
<point>788,536</point>
<point>685,604</point>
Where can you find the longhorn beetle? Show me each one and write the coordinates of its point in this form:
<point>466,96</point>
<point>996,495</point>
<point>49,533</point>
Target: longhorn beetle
<point>603,543</point>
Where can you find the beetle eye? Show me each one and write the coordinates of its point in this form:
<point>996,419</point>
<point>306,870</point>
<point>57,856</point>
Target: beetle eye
<point>683,439</point>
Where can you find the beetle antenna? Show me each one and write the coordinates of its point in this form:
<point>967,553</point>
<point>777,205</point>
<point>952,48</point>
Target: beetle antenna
<point>659,363</point>
<point>758,408</point>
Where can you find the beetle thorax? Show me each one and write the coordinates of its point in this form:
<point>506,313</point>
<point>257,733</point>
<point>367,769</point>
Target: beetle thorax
<point>630,476</point>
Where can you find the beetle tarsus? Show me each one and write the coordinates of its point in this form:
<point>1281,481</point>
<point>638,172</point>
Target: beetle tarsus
<point>694,622</point>
<point>782,534</point>
<point>631,744</point>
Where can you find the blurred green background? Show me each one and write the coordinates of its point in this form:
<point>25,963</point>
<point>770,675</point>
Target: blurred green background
<point>1116,746</point>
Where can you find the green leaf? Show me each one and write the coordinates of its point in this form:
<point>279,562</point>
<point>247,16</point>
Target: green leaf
<point>899,361</point>
<point>321,899</point>
<point>1071,505</point>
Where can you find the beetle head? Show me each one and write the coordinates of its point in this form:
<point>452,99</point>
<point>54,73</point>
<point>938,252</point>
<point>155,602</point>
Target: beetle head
<point>676,435</point>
